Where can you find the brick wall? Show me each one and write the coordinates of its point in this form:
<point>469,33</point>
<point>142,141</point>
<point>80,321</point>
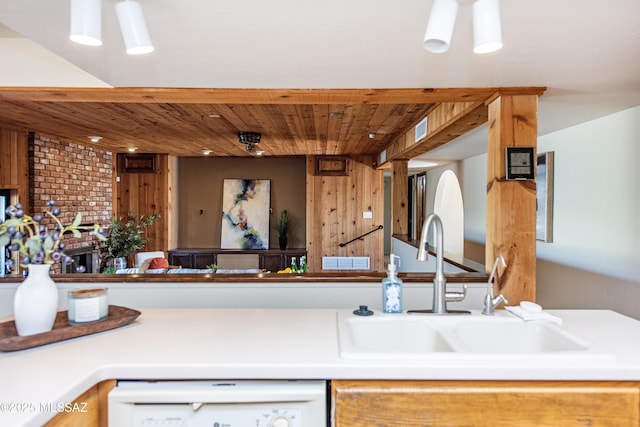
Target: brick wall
<point>78,178</point>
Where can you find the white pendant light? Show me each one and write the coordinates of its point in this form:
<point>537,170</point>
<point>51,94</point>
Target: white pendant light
<point>86,22</point>
<point>133,27</point>
<point>440,27</point>
<point>487,31</point>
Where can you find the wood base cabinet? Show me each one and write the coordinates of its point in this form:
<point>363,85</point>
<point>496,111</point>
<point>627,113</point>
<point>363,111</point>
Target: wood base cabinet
<point>485,403</point>
<point>88,410</point>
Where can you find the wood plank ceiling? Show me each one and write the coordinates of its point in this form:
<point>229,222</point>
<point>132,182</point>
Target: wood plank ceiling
<point>184,122</point>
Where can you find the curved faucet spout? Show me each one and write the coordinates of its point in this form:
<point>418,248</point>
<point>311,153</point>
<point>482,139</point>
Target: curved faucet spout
<point>423,247</point>
<point>440,294</point>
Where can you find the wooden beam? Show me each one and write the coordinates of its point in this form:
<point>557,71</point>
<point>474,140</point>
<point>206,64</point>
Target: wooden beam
<point>511,205</point>
<point>255,96</point>
<point>445,123</point>
<point>399,197</point>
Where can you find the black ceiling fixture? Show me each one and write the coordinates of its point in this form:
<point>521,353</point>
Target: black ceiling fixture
<point>250,139</point>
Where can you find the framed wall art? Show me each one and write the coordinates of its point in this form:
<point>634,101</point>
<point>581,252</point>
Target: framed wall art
<point>544,197</point>
<point>245,215</point>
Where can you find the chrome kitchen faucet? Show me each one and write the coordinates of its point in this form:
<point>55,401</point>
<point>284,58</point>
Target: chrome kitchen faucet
<point>440,294</point>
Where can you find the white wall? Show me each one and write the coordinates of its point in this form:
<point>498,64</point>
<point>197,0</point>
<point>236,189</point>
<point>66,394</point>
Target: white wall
<point>597,195</point>
<point>433,177</point>
<point>473,179</point>
<point>448,205</point>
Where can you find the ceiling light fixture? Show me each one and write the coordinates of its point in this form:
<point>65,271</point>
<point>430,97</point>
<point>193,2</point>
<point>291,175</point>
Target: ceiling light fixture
<point>250,139</point>
<point>132,149</point>
<point>487,32</point>
<point>440,27</point>
<point>206,152</point>
<point>133,27</point>
<point>259,152</point>
<point>94,138</point>
<point>86,22</point>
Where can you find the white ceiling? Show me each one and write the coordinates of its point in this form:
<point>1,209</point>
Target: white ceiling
<point>587,52</point>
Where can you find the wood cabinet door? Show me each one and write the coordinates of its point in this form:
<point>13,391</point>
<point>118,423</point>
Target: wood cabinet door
<point>183,260</point>
<point>202,260</point>
<point>88,410</point>
<point>485,403</point>
<point>271,262</point>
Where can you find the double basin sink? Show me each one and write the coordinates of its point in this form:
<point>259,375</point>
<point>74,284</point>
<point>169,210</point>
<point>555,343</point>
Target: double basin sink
<point>417,336</point>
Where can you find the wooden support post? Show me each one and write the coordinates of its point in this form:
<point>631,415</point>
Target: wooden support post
<point>511,205</point>
<point>400,197</point>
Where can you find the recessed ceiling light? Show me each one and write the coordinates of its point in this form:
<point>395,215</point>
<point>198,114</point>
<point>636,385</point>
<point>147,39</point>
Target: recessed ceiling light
<point>215,116</point>
<point>372,135</point>
<point>206,152</point>
<point>94,138</point>
<point>132,149</point>
<point>259,152</point>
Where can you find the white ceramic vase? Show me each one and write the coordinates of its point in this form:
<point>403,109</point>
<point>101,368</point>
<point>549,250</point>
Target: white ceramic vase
<point>35,304</point>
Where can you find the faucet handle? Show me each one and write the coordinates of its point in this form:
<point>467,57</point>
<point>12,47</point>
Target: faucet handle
<point>456,296</point>
<point>500,298</point>
<point>490,304</point>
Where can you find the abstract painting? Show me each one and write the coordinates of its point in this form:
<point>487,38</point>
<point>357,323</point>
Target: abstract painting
<point>245,215</point>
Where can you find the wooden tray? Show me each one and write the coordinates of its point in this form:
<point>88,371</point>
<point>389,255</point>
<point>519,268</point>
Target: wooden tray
<point>62,330</point>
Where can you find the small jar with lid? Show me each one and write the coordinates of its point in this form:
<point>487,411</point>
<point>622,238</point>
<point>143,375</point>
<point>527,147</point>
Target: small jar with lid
<point>88,305</point>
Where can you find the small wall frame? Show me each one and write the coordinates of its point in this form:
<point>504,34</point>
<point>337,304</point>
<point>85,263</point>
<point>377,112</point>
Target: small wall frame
<point>520,163</point>
<point>138,163</point>
<point>332,165</point>
<point>544,197</point>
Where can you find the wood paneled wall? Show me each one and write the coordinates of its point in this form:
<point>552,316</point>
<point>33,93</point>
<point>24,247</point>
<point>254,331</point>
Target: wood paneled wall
<point>146,194</point>
<point>14,165</point>
<point>335,206</point>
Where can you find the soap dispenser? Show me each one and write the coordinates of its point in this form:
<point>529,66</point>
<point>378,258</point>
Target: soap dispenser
<point>392,289</point>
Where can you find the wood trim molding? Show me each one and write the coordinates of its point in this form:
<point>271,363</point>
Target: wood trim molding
<point>260,96</point>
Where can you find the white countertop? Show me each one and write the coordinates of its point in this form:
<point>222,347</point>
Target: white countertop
<point>273,344</point>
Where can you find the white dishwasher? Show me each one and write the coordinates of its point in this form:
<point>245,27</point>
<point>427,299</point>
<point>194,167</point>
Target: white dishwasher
<point>218,404</point>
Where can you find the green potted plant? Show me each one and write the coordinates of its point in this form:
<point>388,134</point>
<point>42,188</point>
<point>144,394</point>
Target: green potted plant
<point>125,237</point>
<point>282,228</point>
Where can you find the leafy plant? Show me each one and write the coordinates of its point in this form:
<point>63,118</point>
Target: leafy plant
<point>213,267</point>
<point>126,236</point>
<point>282,226</point>
<point>35,243</point>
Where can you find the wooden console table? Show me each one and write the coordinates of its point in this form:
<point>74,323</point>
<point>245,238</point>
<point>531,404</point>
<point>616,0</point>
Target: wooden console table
<point>269,259</point>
